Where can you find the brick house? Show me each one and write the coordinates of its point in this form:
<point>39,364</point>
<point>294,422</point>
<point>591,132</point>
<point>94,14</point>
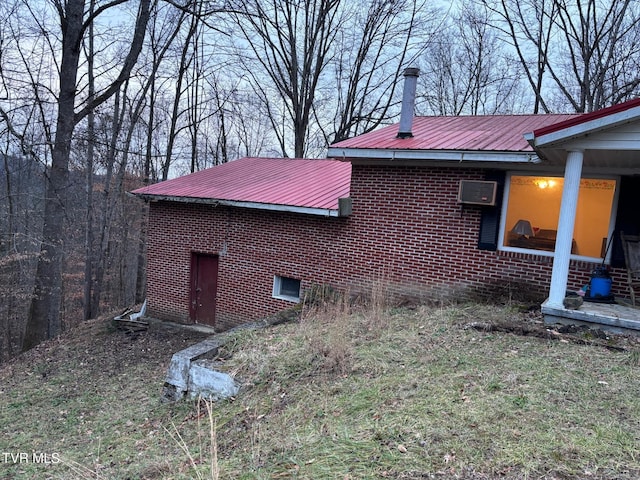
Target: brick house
<point>432,207</point>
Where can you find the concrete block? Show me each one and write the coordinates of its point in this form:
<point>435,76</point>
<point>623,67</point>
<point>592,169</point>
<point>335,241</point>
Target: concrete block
<point>207,382</point>
<point>177,379</point>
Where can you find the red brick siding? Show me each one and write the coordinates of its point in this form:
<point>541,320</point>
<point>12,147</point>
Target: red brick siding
<point>431,240</point>
<point>253,246</point>
<point>407,230</point>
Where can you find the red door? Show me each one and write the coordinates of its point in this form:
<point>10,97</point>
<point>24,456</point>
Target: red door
<point>204,285</point>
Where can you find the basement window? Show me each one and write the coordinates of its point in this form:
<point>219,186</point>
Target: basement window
<point>286,288</point>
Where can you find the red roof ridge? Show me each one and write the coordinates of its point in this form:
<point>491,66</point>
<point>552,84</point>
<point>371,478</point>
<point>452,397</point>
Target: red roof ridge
<point>586,117</point>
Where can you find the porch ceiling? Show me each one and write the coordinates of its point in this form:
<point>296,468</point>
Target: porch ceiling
<point>622,161</point>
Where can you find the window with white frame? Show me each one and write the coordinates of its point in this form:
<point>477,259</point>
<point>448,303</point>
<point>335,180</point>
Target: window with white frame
<point>532,207</point>
<point>286,288</point>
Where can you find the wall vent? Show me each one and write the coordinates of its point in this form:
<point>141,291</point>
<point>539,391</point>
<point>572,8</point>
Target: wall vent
<point>476,192</point>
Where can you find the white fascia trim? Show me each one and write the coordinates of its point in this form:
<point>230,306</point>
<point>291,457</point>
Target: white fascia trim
<point>585,128</point>
<point>433,155</point>
<point>324,212</point>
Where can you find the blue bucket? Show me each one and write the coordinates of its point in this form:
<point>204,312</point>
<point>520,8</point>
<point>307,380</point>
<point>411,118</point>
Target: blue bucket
<point>600,283</point>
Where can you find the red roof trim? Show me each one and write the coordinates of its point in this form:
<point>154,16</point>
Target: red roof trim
<point>586,117</point>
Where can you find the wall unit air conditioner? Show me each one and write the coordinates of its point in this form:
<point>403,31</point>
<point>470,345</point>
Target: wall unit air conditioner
<point>477,192</point>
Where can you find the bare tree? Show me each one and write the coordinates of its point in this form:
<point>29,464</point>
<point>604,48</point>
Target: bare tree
<point>119,127</point>
<point>332,65</point>
<point>292,42</point>
<point>91,86</point>
<point>528,26</point>
<point>603,46</point>
<point>21,189</point>
<point>21,185</point>
<point>187,58</point>
<point>44,313</point>
<point>578,54</point>
<point>467,70</point>
<point>380,39</point>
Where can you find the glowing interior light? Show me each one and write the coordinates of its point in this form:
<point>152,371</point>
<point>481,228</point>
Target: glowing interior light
<point>544,183</point>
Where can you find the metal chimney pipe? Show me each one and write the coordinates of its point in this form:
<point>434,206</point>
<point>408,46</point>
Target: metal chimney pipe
<point>408,102</point>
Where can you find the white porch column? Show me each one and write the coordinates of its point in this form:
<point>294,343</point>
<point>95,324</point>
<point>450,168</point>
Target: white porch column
<point>564,238</point>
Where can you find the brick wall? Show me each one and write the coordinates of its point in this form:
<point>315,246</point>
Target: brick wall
<point>407,231</point>
<point>253,246</point>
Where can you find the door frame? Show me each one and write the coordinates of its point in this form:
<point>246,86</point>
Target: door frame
<point>193,284</point>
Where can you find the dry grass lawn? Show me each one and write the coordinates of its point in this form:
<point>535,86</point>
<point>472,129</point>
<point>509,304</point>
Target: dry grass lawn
<point>406,393</point>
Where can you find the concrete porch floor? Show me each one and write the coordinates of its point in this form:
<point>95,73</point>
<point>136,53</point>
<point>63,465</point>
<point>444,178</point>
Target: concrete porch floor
<point>619,317</point>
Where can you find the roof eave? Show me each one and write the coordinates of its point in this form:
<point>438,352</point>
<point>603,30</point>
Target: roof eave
<point>324,212</point>
<point>543,137</point>
<point>458,156</point>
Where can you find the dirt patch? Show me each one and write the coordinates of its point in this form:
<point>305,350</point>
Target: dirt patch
<point>97,346</point>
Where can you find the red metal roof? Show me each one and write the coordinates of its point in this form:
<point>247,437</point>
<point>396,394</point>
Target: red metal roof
<point>298,182</point>
<point>502,133</point>
<point>586,117</point>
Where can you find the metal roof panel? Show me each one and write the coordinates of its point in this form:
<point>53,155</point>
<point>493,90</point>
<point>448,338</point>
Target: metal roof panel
<point>274,181</point>
<point>500,133</point>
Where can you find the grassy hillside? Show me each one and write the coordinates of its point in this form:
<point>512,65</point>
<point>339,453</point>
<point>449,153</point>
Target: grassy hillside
<point>406,393</point>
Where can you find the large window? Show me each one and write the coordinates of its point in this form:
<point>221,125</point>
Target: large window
<point>533,208</point>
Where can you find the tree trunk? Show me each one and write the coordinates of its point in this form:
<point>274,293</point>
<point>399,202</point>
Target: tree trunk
<point>44,313</point>
<point>91,133</point>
